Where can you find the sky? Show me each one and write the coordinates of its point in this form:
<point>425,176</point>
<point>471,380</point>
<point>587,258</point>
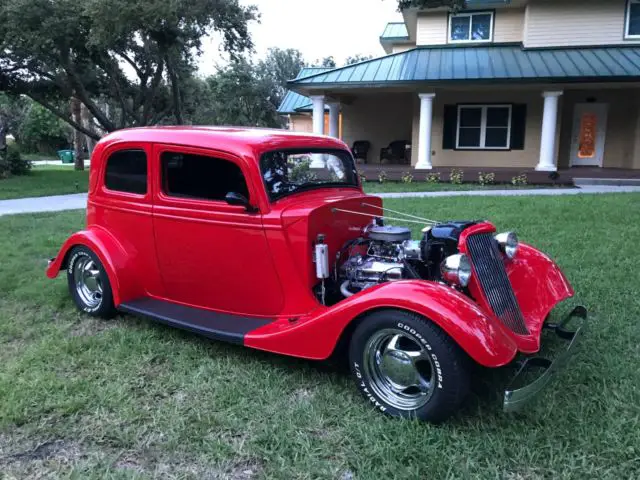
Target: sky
<point>318,28</point>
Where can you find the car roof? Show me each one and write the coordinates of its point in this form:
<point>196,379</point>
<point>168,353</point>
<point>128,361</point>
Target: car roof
<point>231,139</point>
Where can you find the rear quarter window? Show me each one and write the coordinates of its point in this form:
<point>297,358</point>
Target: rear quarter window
<point>126,171</point>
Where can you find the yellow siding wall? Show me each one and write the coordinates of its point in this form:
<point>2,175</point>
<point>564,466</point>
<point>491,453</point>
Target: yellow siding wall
<point>301,123</point>
<point>402,47</point>
<point>622,148</point>
<point>509,24</point>
<point>575,22</point>
<point>380,119</point>
<point>432,29</point>
<point>527,158</point>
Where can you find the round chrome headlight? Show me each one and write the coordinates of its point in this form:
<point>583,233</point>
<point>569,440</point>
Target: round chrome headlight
<point>456,270</point>
<point>508,242</point>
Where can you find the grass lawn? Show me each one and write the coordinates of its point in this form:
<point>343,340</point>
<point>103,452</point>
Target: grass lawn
<point>82,398</point>
<point>388,187</point>
<point>45,180</point>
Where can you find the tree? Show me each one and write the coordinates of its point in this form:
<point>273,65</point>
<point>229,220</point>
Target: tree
<point>454,5</point>
<point>237,95</point>
<point>357,58</point>
<point>133,56</point>
<point>328,62</point>
<point>278,67</point>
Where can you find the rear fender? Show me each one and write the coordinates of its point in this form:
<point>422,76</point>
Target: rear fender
<point>111,255</point>
<point>315,336</point>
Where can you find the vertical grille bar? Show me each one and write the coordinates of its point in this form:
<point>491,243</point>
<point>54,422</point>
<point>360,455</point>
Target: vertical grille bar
<point>492,276</point>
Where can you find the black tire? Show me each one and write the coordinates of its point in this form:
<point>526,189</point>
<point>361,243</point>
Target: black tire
<point>102,305</point>
<point>426,349</point>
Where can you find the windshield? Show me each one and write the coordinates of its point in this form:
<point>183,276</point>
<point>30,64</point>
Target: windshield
<point>289,171</point>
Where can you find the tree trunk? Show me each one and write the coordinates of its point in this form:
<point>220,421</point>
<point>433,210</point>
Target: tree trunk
<point>4,167</point>
<point>87,122</point>
<point>78,137</point>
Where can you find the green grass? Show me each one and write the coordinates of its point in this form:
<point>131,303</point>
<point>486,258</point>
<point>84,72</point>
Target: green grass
<point>389,187</point>
<point>81,398</point>
<point>45,180</point>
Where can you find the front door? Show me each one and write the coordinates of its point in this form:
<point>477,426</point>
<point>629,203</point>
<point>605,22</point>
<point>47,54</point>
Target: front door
<point>211,254</point>
<point>589,131</point>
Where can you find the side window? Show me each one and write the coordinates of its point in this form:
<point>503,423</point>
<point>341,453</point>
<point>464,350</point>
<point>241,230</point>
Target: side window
<point>127,172</point>
<point>197,176</point>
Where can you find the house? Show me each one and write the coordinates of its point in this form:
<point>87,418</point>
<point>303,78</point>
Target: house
<point>526,85</point>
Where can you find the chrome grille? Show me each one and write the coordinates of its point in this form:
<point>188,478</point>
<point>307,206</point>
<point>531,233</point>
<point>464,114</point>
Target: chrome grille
<point>489,266</point>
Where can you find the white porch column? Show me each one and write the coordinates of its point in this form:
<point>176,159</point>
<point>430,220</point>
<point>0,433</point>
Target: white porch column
<point>548,159</point>
<point>318,113</point>
<point>317,160</point>
<point>424,135</point>
<point>334,119</point>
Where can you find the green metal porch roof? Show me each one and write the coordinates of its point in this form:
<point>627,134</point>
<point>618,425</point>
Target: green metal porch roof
<point>491,63</point>
<point>294,102</point>
<point>395,31</point>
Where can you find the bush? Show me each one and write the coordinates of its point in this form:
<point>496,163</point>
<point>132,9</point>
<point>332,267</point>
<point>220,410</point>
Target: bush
<point>382,176</point>
<point>16,164</point>
<point>407,177</point>
<point>486,178</point>
<point>519,180</point>
<point>433,178</point>
<point>362,176</point>
<point>456,176</point>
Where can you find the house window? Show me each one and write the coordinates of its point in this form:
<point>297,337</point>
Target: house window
<point>127,172</point>
<point>196,176</point>
<point>471,27</point>
<point>632,24</point>
<point>484,127</point>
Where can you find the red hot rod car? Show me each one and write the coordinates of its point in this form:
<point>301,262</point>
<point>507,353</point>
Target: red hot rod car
<point>266,239</point>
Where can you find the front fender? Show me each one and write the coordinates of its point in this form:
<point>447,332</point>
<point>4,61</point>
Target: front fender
<point>316,335</point>
<point>111,255</point>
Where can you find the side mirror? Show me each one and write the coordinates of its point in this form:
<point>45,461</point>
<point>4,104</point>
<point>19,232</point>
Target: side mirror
<point>233,198</point>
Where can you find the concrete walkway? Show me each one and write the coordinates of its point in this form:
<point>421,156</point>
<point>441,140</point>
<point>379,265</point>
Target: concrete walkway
<point>75,201</point>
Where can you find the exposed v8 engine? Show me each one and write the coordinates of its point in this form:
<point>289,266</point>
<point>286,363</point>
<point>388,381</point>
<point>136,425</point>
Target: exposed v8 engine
<point>387,254</point>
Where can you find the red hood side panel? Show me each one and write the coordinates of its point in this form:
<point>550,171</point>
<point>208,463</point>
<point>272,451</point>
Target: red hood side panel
<point>324,215</point>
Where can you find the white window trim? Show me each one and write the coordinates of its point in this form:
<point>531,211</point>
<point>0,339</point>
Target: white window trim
<point>471,14</point>
<point>627,21</point>
<point>483,127</point>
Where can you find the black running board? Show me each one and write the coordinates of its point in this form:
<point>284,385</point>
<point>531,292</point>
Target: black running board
<point>216,325</point>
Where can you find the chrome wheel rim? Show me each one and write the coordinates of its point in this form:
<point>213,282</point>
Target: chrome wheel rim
<point>86,277</point>
<point>400,369</point>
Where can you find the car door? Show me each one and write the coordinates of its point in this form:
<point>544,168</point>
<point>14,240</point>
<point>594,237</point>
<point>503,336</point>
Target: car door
<point>211,254</point>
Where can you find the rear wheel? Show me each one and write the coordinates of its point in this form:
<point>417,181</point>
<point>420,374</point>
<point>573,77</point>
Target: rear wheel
<point>88,283</point>
<point>407,366</point>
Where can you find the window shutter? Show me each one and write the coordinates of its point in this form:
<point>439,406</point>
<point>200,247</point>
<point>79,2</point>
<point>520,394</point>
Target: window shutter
<point>450,124</point>
<point>518,126</point>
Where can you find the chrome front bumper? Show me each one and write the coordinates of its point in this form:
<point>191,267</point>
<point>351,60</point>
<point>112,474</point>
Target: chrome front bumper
<point>516,399</point>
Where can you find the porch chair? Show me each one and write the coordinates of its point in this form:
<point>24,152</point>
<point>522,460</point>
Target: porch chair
<point>360,149</point>
<point>398,151</point>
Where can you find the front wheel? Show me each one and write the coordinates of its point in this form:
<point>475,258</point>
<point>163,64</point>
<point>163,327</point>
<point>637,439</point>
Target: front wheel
<point>407,366</point>
<point>88,283</point>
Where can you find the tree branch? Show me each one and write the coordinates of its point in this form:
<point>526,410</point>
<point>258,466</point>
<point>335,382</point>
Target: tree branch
<point>63,117</point>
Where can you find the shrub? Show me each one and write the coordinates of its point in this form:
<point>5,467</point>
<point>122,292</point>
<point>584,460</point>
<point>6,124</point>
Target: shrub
<point>433,178</point>
<point>17,165</point>
<point>382,176</point>
<point>456,176</point>
<point>519,180</point>
<point>486,178</point>
<point>363,177</point>
<point>407,177</point>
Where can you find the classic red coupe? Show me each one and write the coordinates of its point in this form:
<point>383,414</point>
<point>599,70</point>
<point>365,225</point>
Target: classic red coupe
<point>265,238</point>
